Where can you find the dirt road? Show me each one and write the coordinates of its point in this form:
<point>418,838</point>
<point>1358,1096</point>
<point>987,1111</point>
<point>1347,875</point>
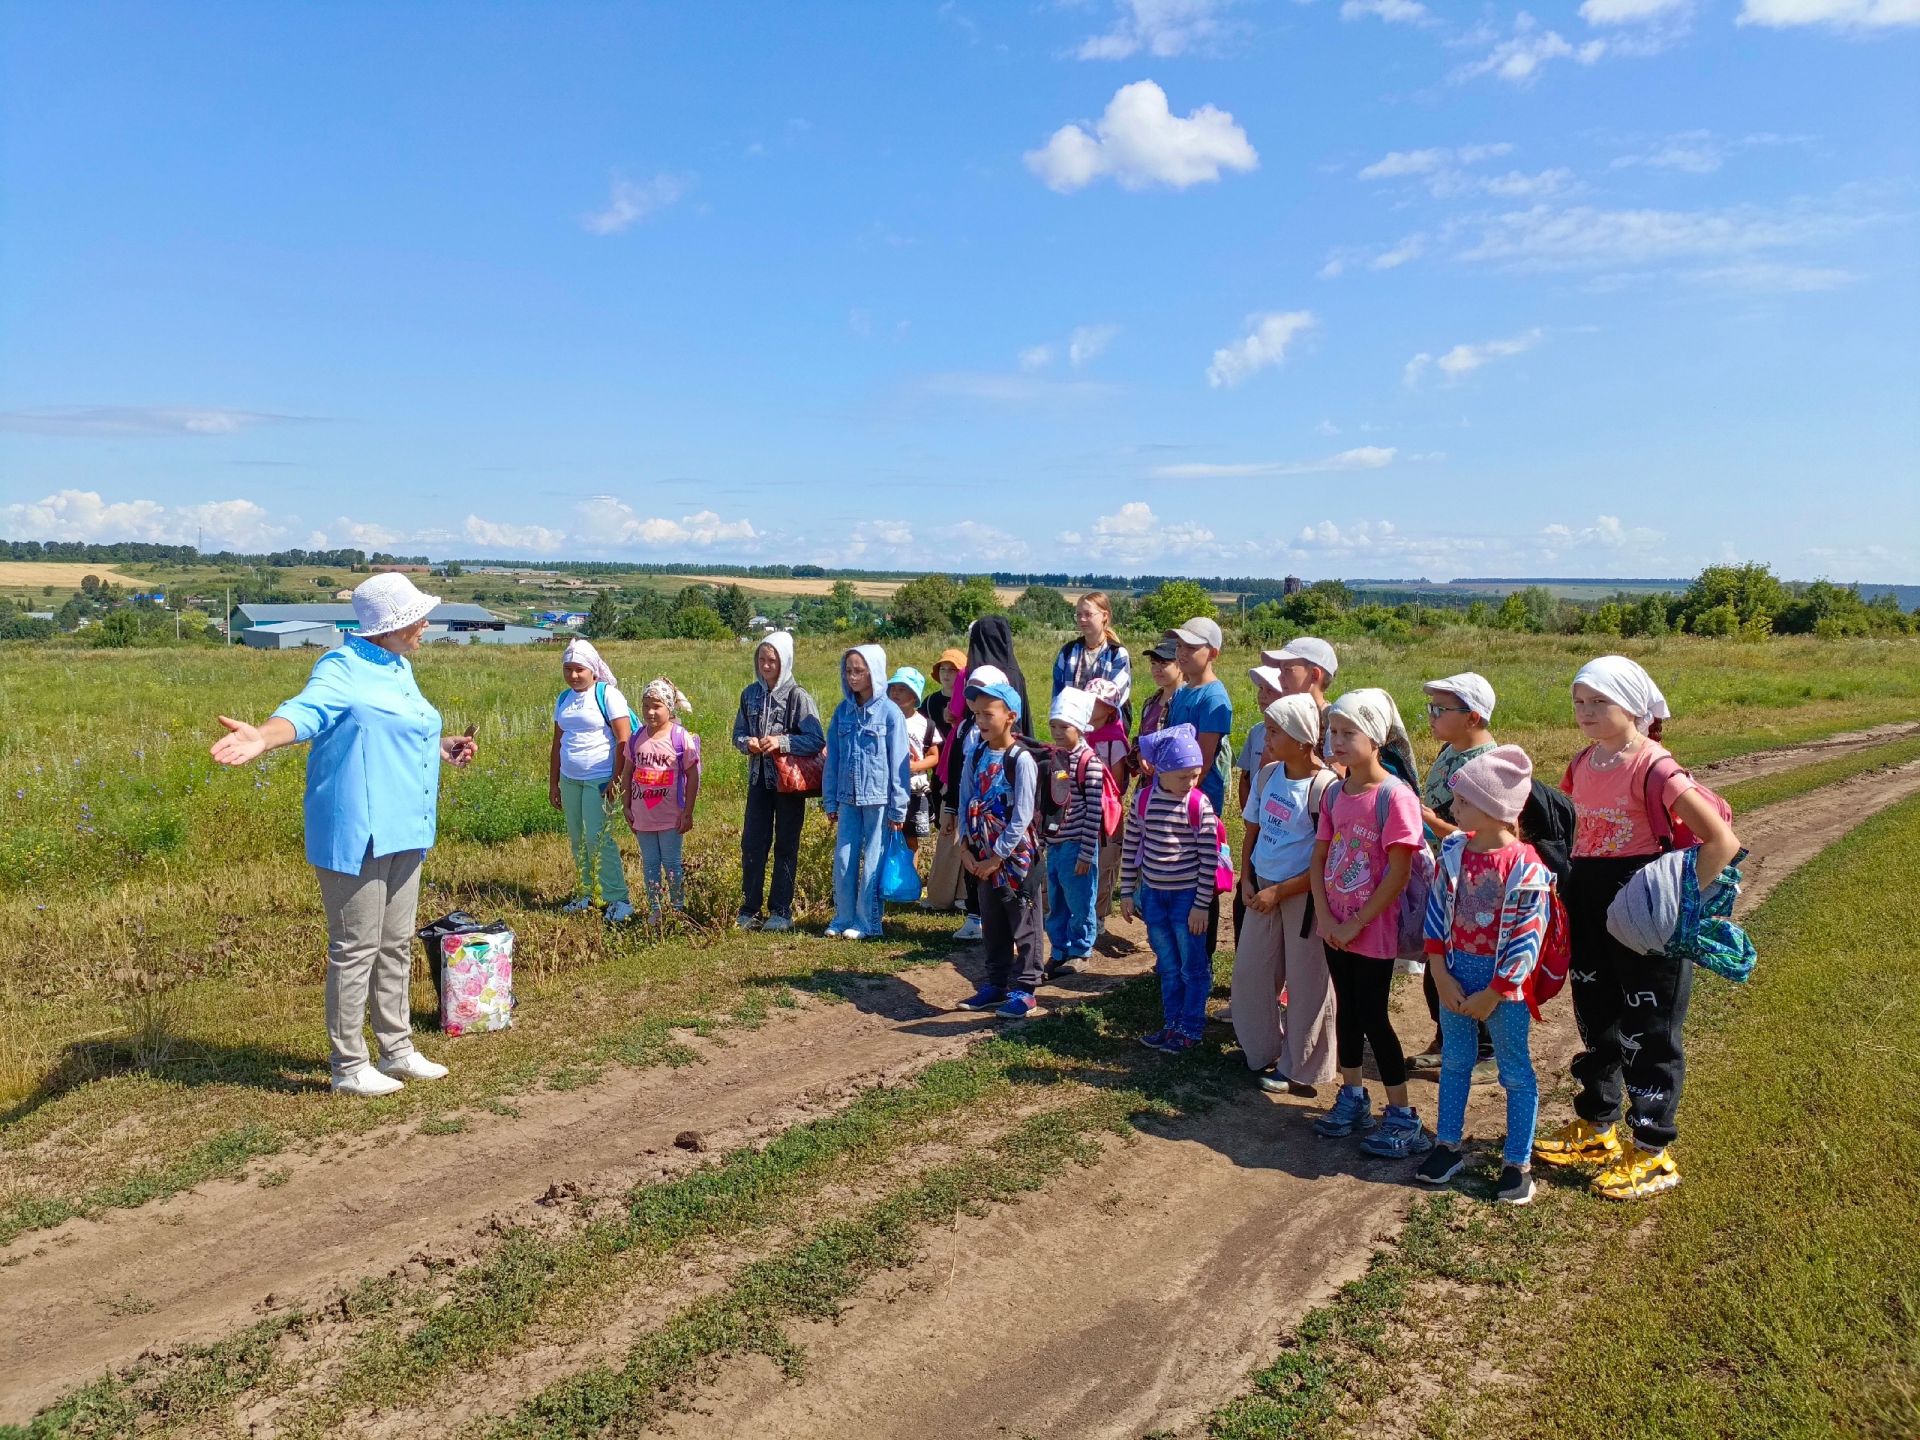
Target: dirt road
<point>1243,1221</point>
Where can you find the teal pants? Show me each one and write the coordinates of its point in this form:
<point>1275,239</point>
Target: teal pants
<point>595,838</point>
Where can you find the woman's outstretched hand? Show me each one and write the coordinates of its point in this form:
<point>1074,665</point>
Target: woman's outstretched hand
<point>458,749</point>
<point>241,745</point>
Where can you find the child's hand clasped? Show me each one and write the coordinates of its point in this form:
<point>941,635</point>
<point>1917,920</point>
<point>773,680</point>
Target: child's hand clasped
<point>1340,935</point>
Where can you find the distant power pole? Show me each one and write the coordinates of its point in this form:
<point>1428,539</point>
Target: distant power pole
<point>229,615</point>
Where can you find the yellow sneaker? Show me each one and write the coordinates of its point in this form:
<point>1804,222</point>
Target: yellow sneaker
<point>1577,1142</point>
<point>1639,1176</point>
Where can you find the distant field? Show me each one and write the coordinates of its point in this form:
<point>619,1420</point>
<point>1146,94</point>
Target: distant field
<point>60,574</point>
<point>865,589</point>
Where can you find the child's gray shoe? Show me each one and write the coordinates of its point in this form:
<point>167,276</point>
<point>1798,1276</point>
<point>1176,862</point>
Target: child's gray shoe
<point>1351,1114</point>
<point>1399,1136</point>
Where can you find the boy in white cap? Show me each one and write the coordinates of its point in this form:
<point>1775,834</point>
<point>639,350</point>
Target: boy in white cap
<point>1073,856</point>
<point>1458,710</point>
<point>1306,665</point>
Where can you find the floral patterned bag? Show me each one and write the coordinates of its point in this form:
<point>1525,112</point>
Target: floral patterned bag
<point>477,984</point>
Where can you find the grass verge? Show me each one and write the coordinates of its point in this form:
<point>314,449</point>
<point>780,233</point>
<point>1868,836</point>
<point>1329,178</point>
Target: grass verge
<point>1775,1294</point>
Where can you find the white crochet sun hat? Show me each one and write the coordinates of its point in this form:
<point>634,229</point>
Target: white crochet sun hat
<point>388,602</point>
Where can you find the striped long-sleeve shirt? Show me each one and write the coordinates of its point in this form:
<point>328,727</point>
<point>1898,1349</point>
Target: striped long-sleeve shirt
<point>1080,824</point>
<point>1177,845</point>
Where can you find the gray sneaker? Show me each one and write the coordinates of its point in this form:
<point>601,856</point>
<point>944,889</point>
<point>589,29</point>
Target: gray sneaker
<point>1351,1114</point>
<point>1516,1186</point>
<point>747,921</point>
<point>1399,1136</point>
<point>776,923</point>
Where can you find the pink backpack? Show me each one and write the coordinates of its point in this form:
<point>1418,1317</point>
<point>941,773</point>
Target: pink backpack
<point>1223,854</point>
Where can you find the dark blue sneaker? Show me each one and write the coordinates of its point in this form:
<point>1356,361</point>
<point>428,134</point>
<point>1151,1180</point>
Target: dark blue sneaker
<point>1400,1136</point>
<point>987,997</point>
<point>1178,1042</point>
<point>1352,1113</point>
<point>1020,1004</point>
<point>1156,1039</point>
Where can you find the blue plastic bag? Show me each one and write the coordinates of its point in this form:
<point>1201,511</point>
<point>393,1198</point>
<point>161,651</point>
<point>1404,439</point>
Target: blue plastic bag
<point>899,878</point>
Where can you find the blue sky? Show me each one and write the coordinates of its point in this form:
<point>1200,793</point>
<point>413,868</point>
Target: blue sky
<point>1371,288</point>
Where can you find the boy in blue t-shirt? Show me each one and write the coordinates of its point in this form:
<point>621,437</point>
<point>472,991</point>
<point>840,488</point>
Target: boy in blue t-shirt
<point>1202,702</point>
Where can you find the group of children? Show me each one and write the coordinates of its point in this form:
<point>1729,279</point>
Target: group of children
<point>1346,865</point>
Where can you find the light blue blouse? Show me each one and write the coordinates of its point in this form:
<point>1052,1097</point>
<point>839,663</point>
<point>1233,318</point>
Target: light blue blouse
<point>373,772</point>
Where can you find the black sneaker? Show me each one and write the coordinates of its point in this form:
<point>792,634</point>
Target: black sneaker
<point>1443,1162</point>
<point>1516,1186</point>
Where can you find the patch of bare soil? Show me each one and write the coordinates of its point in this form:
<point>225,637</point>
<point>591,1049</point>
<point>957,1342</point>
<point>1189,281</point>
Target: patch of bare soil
<point>1054,1315</point>
<point>1756,763</point>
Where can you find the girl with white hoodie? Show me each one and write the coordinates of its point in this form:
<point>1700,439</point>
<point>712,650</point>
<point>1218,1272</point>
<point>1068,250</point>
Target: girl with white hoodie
<point>864,788</point>
<point>777,716</point>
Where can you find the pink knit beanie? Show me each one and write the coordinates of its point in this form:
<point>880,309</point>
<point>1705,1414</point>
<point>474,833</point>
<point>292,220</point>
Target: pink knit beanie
<point>1497,783</point>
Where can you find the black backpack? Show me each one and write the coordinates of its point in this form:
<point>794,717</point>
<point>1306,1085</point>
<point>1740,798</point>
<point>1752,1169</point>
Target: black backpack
<point>1547,822</point>
<point>1047,812</point>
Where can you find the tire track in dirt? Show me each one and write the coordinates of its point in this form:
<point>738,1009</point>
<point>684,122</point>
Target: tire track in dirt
<point>1756,763</point>
<point>219,1256</point>
<point>1075,1313</point>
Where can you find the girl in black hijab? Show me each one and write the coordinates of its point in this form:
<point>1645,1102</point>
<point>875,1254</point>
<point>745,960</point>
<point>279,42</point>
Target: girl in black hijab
<point>990,642</point>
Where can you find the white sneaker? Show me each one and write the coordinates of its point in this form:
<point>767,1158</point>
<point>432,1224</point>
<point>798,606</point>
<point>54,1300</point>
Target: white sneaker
<point>412,1066</point>
<point>619,912</point>
<point>969,929</point>
<point>776,923</point>
<point>852,932</point>
<point>365,1081</point>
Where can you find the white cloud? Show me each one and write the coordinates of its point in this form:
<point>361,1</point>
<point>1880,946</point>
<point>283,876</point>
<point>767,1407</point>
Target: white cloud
<point>1381,543</point>
<point>1841,14</point>
<point>86,515</point>
<point>1607,532</point>
<point>1036,357</point>
<point>1520,57</point>
<point>1694,152</point>
<point>1394,12</point>
<point>132,421</point>
<point>1771,275</point>
<point>1396,164</point>
<point>1445,172</point>
<point>1088,341</point>
<point>990,387</point>
<point>524,539</point>
<point>611,520</point>
<point>361,534</point>
<point>1265,344</point>
<point>1463,360</point>
<point>1134,535</point>
<point>1630,12</point>
<point>1410,248</point>
<point>1161,28</point>
<point>1139,142</point>
<point>631,201</point>
<point>1364,457</point>
<point>1548,237</point>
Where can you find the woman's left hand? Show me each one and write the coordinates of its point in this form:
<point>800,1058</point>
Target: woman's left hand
<point>458,749</point>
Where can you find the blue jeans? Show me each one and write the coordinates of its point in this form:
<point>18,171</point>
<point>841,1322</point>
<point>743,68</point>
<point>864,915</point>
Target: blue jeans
<point>660,852</point>
<point>857,848</point>
<point>1180,957</point>
<point>1072,925</point>
<point>1460,1047</point>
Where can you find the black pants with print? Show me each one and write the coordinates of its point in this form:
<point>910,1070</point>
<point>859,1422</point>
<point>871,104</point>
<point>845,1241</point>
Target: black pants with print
<point>1010,929</point>
<point>1629,1008</point>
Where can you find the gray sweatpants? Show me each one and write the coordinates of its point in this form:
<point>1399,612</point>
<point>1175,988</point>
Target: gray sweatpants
<point>370,924</point>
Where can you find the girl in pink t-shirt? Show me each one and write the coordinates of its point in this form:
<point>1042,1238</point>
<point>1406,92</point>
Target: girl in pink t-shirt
<point>1370,827</point>
<point>663,785</point>
<point>1630,1006</point>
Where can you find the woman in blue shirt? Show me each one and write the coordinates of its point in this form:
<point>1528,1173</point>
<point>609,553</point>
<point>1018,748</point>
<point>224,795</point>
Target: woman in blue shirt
<point>373,782</point>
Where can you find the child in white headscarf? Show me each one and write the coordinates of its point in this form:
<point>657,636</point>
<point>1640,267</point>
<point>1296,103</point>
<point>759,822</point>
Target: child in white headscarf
<point>586,762</point>
<point>663,785</point>
<point>1629,795</point>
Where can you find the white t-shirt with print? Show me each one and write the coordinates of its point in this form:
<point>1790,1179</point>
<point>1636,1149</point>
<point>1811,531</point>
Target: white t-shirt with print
<point>586,739</point>
<point>919,732</point>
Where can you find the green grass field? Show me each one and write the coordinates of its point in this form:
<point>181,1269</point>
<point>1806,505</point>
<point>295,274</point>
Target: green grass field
<point>161,947</point>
